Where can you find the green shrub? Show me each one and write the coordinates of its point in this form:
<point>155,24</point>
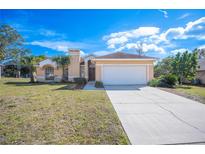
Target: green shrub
<point>164,84</point>
<point>168,80</point>
<point>154,82</point>
<point>99,84</point>
<point>80,80</point>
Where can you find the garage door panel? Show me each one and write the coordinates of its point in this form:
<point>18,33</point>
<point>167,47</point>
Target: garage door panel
<point>124,74</point>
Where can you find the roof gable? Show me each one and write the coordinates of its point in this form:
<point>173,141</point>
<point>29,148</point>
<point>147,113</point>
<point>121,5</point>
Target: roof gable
<point>123,55</point>
<point>47,62</point>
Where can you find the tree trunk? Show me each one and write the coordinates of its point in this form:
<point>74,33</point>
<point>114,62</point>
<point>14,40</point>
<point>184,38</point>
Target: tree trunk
<point>181,78</point>
<point>63,73</point>
<point>32,76</point>
<point>18,71</point>
<point>18,74</point>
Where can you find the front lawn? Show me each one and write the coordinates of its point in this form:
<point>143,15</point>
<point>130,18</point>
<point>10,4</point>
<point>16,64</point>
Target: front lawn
<point>193,92</point>
<point>52,114</point>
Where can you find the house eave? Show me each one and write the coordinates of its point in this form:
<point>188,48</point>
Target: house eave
<point>124,59</point>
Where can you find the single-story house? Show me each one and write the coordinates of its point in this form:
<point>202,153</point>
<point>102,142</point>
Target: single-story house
<point>201,70</point>
<point>113,69</point>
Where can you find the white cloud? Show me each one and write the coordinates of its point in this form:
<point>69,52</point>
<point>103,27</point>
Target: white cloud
<point>47,32</point>
<point>153,40</point>
<point>201,47</point>
<point>182,50</point>
<point>101,53</point>
<point>194,24</point>
<point>194,29</point>
<point>152,47</point>
<point>60,45</point>
<point>83,53</point>
<point>171,33</point>
<point>120,38</point>
<point>134,33</point>
<point>113,41</point>
<point>183,16</point>
<point>144,47</point>
<point>164,13</point>
<point>38,31</point>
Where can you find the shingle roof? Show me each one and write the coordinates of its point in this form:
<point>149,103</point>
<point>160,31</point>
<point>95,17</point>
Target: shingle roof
<point>123,55</point>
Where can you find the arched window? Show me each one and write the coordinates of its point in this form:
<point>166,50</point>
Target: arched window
<point>49,73</point>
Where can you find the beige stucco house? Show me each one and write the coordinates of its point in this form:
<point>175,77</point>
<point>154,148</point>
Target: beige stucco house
<point>114,69</point>
<point>201,70</point>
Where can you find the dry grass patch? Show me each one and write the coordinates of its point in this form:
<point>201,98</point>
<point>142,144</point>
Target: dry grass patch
<point>196,93</point>
<point>52,114</point>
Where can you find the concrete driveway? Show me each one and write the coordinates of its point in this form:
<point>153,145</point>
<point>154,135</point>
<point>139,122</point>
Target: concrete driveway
<point>152,116</point>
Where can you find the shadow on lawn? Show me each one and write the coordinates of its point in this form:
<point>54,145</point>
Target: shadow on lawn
<point>72,87</point>
<point>184,87</point>
<point>33,84</point>
<point>65,86</point>
<point>125,87</point>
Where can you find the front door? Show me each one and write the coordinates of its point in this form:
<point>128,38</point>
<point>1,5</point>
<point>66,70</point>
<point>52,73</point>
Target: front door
<point>91,71</point>
<point>65,75</point>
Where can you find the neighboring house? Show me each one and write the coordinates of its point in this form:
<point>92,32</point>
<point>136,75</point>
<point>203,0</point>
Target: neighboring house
<point>116,68</point>
<point>8,67</point>
<point>201,70</point>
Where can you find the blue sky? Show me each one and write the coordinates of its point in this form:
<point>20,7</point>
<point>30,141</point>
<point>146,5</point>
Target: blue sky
<point>157,33</point>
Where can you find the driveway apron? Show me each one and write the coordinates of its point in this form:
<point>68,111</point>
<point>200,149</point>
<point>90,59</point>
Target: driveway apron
<point>152,116</point>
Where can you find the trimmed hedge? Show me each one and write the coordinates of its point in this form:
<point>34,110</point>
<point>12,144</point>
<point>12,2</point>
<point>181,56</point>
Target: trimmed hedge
<point>99,84</point>
<point>154,82</point>
<point>80,80</point>
<point>170,79</point>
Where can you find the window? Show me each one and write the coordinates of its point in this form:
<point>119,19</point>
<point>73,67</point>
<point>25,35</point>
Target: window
<point>49,73</point>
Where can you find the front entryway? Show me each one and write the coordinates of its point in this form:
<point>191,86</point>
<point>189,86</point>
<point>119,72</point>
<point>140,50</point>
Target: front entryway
<point>65,74</point>
<point>49,73</point>
<point>91,71</point>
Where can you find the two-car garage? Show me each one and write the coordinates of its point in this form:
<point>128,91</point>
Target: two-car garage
<point>124,74</point>
<point>121,68</point>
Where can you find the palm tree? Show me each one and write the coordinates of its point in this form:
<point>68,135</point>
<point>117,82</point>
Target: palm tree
<point>62,61</point>
<point>31,62</point>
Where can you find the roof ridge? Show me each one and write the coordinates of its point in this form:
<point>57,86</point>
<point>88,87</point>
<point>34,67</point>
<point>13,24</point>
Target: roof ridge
<point>123,55</point>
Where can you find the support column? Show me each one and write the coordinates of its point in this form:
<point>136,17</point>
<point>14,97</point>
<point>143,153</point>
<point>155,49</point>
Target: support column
<point>74,67</point>
<point>86,70</point>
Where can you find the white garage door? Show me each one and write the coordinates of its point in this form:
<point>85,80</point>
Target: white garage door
<point>124,74</point>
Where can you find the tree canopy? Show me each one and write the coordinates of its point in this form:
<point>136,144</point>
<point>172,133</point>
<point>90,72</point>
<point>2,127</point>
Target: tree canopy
<point>183,65</point>
<point>31,62</point>
<point>62,61</point>
<point>163,67</point>
<point>11,43</point>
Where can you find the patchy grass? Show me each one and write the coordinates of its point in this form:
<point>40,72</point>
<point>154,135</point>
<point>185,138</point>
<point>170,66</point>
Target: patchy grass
<point>193,92</point>
<point>53,114</point>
